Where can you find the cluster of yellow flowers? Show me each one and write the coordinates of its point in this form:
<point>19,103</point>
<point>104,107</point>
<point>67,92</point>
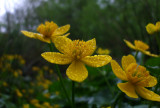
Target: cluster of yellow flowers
<point>77,53</point>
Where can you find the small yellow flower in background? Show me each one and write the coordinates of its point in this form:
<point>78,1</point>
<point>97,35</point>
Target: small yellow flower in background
<point>140,46</point>
<point>77,53</point>
<point>57,92</point>
<point>151,28</point>
<point>137,78</point>
<point>19,94</point>
<point>56,106</point>
<point>34,101</point>
<point>48,31</point>
<point>5,84</point>
<point>26,106</point>
<point>103,51</point>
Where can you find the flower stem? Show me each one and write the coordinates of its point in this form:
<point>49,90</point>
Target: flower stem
<point>73,92</point>
<point>136,55</point>
<point>116,100</point>
<point>60,77</point>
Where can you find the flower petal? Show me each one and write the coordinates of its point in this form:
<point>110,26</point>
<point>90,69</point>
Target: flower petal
<point>129,44</point>
<point>127,60</point>
<point>118,70</point>
<point>41,38</point>
<point>128,89</point>
<point>147,94</point>
<point>148,53</point>
<point>61,30</point>
<point>152,81</point>
<point>151,28</point>
<point>158,25</point>
<point>77,71</point>
<point>90,47</point>
<point>56,58</point>
<point>28,34</point>
<point>97,60</point>
<point>64,45</point>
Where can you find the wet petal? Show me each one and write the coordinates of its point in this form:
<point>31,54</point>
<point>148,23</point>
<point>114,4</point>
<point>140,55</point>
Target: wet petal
<point>29,34</point>
<point>147,94</point>
<point>148,53</point>
<point>41,38</point>
<point>118,70</point>
<point>64,45</point>
<point>77,71</point>
<point>90,47</point>
<point>97,60</point>
<point>152,81</point>
<point>151,28</point>
<point>61,30</point>
<point>128,89</point>
<point>129,44</point>
<point>54,37</point>
<point>56,58</point>
<point>127,60</point>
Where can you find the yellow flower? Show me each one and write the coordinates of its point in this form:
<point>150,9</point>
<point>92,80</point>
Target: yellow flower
<point>19,94</point>
<point>137,78</point>
<point>34,101</point>
<point>140,46</point>
<point>103,51</point>
<point>5,84</point>
<point>151,28</point>
<point>48,31</point>
<point>26,106</point>
<point>77,53</point>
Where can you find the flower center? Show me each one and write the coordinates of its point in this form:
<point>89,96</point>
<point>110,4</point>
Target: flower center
<point>47,29</point>
<point>78,49</point>
<point>137,74</point>
<point>141,45</point>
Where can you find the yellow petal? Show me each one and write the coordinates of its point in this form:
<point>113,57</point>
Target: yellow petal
<point>148,53</point>
<point>77,71</point>
<point>61,30</point>
<point>152,81</point>
<point>147,94</point>
<point>151,28</point>
<point>127,60</point>
<point>90,47</point>
<point>41,38</point>
<point>56,58</point>
<point>64,45</point>
<point>129,44</point>
<point>29,34</point>
<point>128,89</point>
<point>97,60</point>
<point>158,25</point>
<point>54,37</point>
<point>118,70</point>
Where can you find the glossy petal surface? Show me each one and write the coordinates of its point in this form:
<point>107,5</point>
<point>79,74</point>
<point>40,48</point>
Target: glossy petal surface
<point>127,60</point>
<point>97,60</point>
<point>29,34</point>
<point>41,38</point>
<point>77,71</point>
<point>61,30</point>
<point>64,45</point>
<point>56,58</point>
<point>147,94</point>
<point>129,44</point>
<point>128,89</point>
<point>148,53</point>
<point>152,81</point>
<point>118,70</point>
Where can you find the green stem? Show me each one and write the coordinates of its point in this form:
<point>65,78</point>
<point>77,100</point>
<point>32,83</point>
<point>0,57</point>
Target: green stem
<point>108,84</point>
<point>60,77</point>
<point>73,92</point>
<point>116,100</point>
<point>136,55</point>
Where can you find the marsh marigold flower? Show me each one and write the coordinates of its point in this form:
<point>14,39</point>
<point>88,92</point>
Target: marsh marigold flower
<point>140,46</point>
<point>151,28</point>
<point>77,53</point>
<point>48,32</point>
<point>137,78</point>
<point>103,51</point>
